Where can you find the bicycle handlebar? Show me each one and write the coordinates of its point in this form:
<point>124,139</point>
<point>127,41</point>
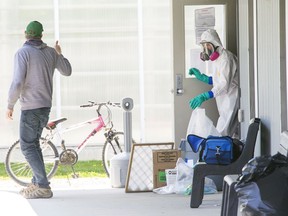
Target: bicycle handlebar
<point>108,119</point>
<point>92,103</point>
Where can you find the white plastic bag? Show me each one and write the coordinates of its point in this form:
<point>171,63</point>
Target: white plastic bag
<point>201,125</point>
<point>165,190</point>
<point>184,181</point>
<point>184,176</point>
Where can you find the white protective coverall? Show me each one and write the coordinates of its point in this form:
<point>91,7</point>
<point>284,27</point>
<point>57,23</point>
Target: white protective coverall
<point>225,85</point>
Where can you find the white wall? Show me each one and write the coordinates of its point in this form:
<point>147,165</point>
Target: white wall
<point>262,55</point>
<point>268,53</point>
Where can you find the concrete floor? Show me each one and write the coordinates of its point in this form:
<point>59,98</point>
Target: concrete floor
<point>85,196</point>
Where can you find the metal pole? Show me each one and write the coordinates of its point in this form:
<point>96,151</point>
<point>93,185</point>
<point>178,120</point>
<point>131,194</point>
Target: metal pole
<point>127,131</point>
<point>127,104</point>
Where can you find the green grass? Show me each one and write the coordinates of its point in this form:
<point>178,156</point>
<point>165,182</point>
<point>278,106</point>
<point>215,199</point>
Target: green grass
<point>85,169</point>
<point>3,173</point>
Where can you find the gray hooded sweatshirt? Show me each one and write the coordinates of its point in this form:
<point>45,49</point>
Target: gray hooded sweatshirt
<point>34,66</point>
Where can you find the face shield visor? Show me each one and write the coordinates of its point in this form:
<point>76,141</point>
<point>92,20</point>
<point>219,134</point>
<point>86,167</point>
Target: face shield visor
<point>208,52</point>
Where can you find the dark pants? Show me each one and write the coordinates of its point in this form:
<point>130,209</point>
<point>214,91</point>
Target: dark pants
<point>32,123</point>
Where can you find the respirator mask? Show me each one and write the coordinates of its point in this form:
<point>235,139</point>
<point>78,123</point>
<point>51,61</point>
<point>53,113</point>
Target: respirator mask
<point>208,52</point>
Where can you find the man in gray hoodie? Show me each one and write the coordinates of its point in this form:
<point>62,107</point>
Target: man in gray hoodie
<point>34,66</point>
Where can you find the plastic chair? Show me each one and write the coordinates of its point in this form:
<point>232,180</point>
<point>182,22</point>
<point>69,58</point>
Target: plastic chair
<point>201,169</point>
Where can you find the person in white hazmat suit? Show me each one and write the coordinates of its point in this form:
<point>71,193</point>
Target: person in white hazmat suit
<point>224,80</point>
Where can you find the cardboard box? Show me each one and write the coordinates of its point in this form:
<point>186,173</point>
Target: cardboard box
<point>162,160</point>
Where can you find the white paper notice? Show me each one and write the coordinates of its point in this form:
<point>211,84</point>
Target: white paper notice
<point>204,19</point>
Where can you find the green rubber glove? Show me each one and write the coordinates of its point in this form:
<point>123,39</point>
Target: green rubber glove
<point>200,76</point>
<point>198,100</point>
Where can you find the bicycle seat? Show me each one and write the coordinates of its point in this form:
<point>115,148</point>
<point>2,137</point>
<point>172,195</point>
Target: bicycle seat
<point>52,124</point>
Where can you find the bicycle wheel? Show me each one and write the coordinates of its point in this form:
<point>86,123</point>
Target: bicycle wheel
<point>18,168</point>
<point>113,145</point>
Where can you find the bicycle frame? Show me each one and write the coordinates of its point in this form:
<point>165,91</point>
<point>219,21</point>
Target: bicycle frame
<point>58,132</point>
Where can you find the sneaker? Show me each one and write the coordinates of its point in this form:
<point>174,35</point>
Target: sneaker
<point>35,192</point>
<point>24,189</point>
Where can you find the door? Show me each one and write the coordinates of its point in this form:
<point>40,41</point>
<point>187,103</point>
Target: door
<point>190,19</point>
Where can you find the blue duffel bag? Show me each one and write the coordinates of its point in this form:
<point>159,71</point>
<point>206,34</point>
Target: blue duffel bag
<point>213,149</point>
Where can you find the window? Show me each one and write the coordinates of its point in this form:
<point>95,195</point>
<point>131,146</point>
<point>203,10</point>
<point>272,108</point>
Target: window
<point>102,40</point>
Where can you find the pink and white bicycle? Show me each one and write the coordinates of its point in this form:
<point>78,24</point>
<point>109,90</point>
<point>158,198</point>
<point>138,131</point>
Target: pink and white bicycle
<point>19,170</point>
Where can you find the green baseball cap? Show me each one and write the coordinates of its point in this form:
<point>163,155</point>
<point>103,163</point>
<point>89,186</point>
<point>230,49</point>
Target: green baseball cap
<point>34,29</point>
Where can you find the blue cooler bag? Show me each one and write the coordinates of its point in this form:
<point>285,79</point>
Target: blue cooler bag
<point>218,150</point>
<point>214,149</point>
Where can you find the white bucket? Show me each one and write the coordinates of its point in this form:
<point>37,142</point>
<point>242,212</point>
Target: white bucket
<point>118,169</point>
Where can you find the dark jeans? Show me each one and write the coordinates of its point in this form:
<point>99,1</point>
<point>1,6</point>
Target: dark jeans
<point>32,123</point>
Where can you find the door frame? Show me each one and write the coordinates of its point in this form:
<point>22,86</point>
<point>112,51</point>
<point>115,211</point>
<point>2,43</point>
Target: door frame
<point>182,111</point>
